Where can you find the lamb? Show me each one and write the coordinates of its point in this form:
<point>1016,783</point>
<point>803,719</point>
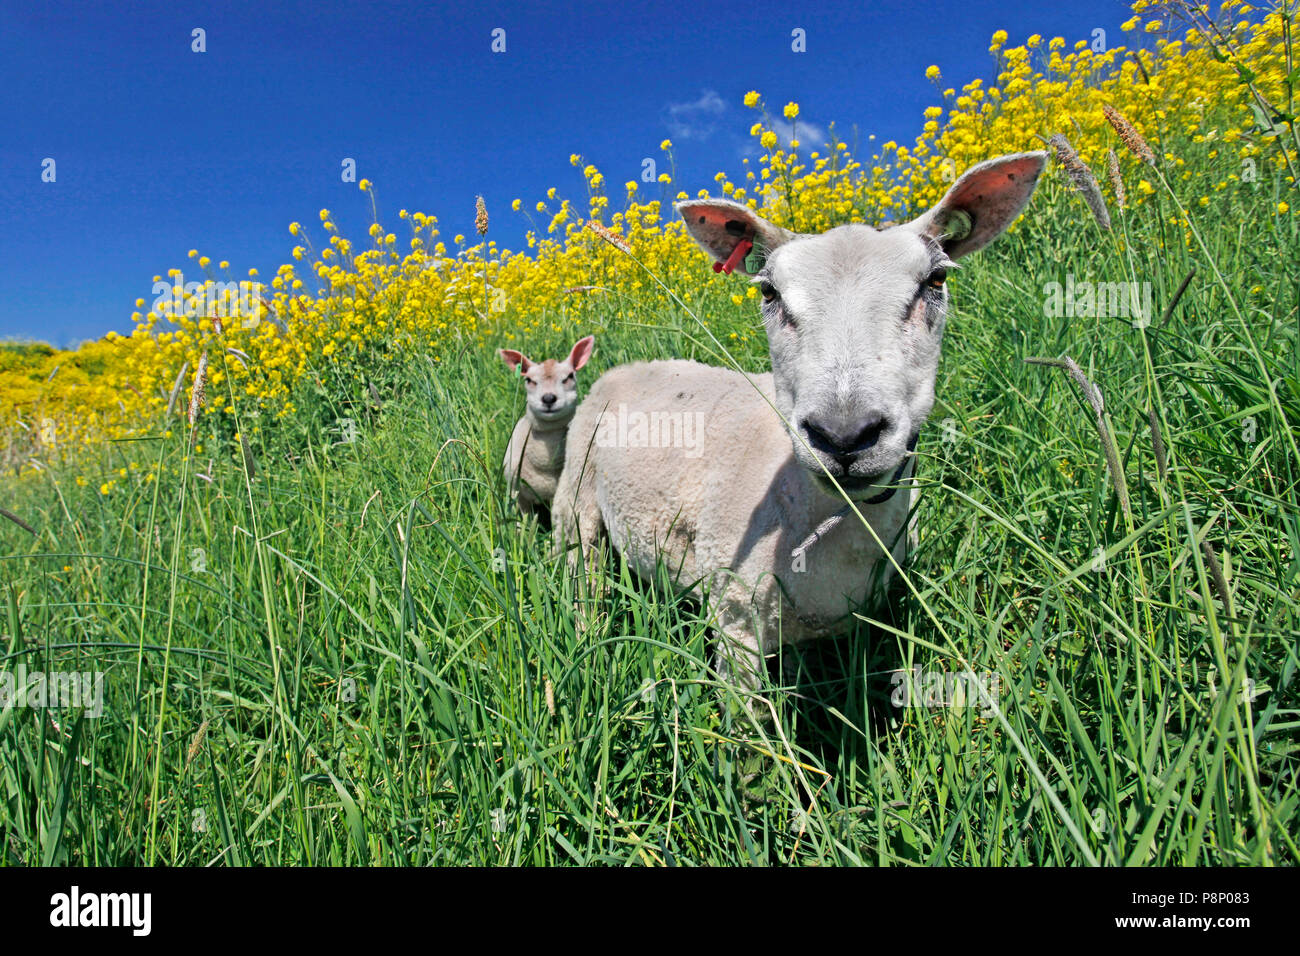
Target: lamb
<point>782,524</point>
<point>535,453</point>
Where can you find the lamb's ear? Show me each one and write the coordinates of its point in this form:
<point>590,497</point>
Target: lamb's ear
<point>719,225</point>
<point>515,359</point>
<point>581,352</point>
<point>982,203</point>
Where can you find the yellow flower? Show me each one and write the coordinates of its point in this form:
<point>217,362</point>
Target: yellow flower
<point>1283,208</point>
<point>931,72</point>
<point>666,145</point>
<point>364,185</point>
<point>751,99</point>
<point>791,110</point>
<point>768,139</point>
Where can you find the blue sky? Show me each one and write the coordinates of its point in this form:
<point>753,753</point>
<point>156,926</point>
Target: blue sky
<point>159,149</point>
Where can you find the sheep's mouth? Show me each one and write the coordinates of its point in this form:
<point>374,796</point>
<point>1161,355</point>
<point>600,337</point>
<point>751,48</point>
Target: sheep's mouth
<point>857,487</point>
<point>856,483</point>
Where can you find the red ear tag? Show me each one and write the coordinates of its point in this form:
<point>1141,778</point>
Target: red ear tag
<point>737,256</point>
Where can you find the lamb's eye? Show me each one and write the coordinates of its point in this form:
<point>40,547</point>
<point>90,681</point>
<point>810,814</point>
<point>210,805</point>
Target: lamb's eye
<point>935,280</point>
<point>570,379</point>
<point>530,381</point>
<point>769,292</point>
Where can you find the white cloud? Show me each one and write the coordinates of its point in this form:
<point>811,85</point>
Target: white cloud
<point>811,136</point>
<point>696,119</point>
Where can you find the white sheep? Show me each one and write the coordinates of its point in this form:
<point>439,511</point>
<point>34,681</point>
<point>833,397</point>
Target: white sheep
<point>739,484</point>
<point>535,453</point>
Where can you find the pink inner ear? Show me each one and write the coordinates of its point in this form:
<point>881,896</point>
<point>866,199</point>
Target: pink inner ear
<point>581,352</point>
<point>513,359</point>
<point>707,224</point>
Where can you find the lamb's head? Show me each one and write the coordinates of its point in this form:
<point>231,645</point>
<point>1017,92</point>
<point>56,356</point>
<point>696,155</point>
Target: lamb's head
<point>551,387</point>
<point>855,315</point>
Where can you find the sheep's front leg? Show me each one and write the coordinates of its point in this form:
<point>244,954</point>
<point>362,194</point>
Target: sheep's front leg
<point>739,663</point>
<point>591,586</point>
<point>526,501</point>
<point>576,519</point>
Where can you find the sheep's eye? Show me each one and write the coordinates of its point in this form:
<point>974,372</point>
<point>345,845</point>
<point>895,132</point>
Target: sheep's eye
<point>936,279</point>
<point>530,381</point>
<point>769,292</point>
<point>570,379</point>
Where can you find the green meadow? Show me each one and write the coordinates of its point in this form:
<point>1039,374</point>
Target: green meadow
<point>340,643</point>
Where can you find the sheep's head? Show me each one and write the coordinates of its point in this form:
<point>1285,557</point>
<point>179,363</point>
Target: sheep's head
<point>855,315</point>
<point>551,386</point>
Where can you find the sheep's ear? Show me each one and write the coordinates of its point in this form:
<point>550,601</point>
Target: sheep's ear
<point>982,203</point>
<point>581,352</point>
<point>515,359</point>
<point>719,225</point>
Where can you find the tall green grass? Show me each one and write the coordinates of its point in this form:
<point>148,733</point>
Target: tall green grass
<point>375,660</point>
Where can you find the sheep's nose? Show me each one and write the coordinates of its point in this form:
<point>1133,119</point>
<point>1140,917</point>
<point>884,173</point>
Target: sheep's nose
<point>548,399</point>
<point>842,442</point>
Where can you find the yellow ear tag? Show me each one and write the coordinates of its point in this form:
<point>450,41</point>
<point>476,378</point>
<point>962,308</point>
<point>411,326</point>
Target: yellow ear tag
<point>957,225</point>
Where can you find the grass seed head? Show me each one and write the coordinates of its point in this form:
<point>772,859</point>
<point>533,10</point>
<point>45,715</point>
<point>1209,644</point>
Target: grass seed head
<point>612,238</point>
<point>198,394</point>
<point>1116,183</point>
<point>1128,134</point>
<point>1081,177</point>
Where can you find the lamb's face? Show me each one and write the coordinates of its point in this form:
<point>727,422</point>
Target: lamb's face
<point>855,318</point>
<point>551,388</point>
